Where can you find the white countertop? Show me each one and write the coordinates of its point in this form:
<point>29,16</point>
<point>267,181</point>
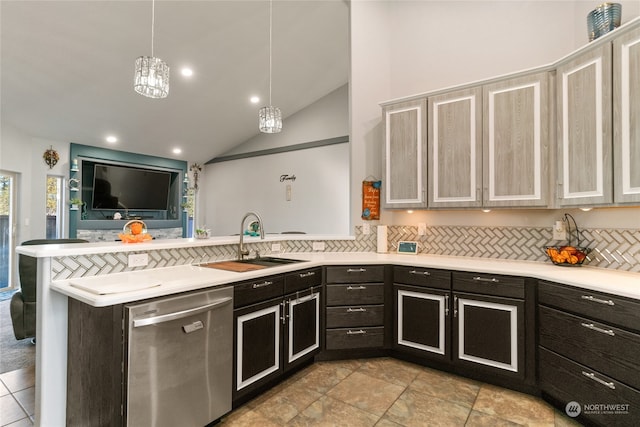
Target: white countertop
<point>137,285</point>
<point>70,249</point>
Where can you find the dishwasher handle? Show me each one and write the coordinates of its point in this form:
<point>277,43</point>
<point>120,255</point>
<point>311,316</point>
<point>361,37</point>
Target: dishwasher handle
<point>180,314</point>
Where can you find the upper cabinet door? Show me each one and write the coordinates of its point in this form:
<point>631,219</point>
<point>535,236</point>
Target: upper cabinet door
<point>455,149</point>
<point>626,116</point>
<point>405,155</point>
<point>516,141</point>
<point>584,129</point>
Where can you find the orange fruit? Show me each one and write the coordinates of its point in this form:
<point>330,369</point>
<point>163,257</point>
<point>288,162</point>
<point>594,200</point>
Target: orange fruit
<point>136,228</point>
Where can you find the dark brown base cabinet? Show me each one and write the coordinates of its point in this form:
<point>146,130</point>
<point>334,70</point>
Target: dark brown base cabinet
<point>274,336</point>
<point>423,316</point>
<point>589,354</point>
<point>355,313</point>
<point>472,324</point>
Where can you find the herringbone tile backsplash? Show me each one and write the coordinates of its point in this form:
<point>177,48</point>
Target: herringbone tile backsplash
<point>617,249</point>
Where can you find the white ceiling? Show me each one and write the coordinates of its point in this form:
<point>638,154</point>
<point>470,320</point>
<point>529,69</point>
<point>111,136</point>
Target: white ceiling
<point>67,69</point>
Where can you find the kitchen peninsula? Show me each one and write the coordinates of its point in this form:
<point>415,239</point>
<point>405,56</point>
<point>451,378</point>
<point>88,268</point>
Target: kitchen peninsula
<point>63,270</point>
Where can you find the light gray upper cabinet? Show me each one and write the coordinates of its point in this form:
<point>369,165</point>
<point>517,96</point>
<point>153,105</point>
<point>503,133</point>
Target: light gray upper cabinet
<point>626,116</point>
<point>584,148</point>
<point>516,142</point>
<point>455,149</point>
<point>405,155</point>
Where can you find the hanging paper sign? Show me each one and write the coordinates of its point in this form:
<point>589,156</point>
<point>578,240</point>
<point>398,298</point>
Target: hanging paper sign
<point>371,200</point>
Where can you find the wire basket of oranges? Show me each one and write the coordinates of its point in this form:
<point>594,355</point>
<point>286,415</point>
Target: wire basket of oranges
<point>134,231</point>
<point>572,256</point>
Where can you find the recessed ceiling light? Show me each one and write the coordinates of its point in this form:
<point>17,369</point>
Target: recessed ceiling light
<point>254,99</point>
<point>111,139</point>
<point>187,72</point>
<point>177,150</point>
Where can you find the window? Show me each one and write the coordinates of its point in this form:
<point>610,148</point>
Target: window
<point>54,210</point>
<point>7,228</point>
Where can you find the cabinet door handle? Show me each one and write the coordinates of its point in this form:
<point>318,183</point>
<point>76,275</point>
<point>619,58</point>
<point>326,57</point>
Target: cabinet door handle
<point>356,270</point>
<point>356,288</point>
<point>360,332</point>
<point>601,301</point>
<point>592,376</point>
<point>307,274</point>
<point>455,306</point>
<point>282,315</point>
<point>446,305</point>
<point>484,279</point>
<point>356,310</point>
<point>262,285</point>
<point>424,273</point>
<point>597,329</point>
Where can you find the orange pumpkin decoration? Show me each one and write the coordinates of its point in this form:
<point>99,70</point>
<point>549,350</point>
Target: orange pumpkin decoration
<point>136,228</point>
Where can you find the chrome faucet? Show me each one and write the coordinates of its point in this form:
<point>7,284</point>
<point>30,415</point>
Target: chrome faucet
<point>241,251</point>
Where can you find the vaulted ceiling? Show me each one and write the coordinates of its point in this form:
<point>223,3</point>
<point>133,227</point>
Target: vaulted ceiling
<point>67,69</point>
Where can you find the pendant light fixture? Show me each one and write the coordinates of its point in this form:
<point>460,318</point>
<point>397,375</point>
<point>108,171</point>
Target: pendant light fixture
<point>270,118</point>
<point>152,74</point>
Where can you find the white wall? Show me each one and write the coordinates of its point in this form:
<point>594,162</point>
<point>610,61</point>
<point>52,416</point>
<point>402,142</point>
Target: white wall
<point>320,193</point>
<point>22,154</point>
<point>401,48</point>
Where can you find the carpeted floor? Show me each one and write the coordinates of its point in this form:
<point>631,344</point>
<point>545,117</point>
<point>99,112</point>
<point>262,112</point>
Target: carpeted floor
<point>14,354</point>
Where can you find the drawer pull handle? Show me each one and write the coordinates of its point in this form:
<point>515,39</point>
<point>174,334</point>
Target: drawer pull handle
<point>446,305</point>
<point>484,279</point>
<point>356,310</point>
<point>601,301</point>
<point>360,332</point>
<point>356,288</point>
<point>307,274</point>
<point>262,285</point>
<point>356,270</point>
<point>597,329</point>
<point>423,273</point>
<point>592,376</point>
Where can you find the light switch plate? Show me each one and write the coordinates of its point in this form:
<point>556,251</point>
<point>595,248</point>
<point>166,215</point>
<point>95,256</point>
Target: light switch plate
<point>138,260</point>
<point>318,246</point>
<point>275,247</point>
<point>422,229</point>
<point>366,228</point>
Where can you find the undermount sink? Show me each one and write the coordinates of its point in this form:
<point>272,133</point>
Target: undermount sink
<point>269,261</point>
<point>250,264</point>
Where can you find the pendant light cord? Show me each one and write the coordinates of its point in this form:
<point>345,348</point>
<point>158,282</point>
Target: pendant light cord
<point>153,22</point>
<point>270,44</point>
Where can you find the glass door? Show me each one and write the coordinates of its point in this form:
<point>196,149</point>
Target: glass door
<point>7,228</point>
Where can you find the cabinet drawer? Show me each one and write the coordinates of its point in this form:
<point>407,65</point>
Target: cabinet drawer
<point>608,349</point>
<point>302,279</point>
<point>348,338</point>
<point>489,284</point>
<point>597,305</point>
<point>355,274</point>
<point>418,276</point>
<point>567,381</point>
<point>251,292</point>
<point>363,293</point>
<point>360,315</point>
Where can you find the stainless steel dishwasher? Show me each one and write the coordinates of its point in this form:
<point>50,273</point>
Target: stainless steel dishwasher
<point>180,359</point>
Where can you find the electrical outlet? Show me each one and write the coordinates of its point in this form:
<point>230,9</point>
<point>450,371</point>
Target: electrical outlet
<point>559,231</point>
<point>422,229</point>
<point>366,228</point>
<point>288,193</point>
<point>138,260</point>
<point>275,247</point>
<point>318,246</point>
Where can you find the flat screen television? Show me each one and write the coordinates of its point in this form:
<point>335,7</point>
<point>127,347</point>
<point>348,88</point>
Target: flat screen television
<point>121,187</point>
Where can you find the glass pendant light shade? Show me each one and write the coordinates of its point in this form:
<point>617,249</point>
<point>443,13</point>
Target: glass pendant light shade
<point>152,77</point>
<point>270,119</point>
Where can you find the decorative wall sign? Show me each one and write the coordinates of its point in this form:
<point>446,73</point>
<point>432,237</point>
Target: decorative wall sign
<point>51,157</point>
<point>371,200</point>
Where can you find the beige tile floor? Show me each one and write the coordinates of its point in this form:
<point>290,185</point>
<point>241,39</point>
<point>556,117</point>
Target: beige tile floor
<point>386,392</point>
<point>382,392</point>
